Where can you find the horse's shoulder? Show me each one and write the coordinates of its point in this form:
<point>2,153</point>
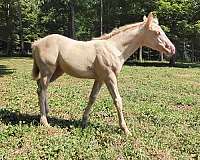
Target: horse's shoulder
<point>107,58</point>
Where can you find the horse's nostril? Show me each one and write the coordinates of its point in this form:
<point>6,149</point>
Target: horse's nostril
<point>166,45</point>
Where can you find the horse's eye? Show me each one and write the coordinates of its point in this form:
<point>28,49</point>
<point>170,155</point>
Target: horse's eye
<point>158,33</point>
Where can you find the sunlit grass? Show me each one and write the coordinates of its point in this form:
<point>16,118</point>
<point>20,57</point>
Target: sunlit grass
<point>161,108</point>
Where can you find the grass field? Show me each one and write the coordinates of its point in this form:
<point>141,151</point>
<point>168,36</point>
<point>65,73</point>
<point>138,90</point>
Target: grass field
<point>161,108</point>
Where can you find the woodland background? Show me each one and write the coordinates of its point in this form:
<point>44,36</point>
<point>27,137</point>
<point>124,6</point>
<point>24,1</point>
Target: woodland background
<point>23,21</point>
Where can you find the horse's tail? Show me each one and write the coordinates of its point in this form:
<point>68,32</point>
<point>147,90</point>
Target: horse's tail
<point>35,69</point>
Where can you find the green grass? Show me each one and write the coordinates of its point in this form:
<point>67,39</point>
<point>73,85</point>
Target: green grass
<point>161,108</point>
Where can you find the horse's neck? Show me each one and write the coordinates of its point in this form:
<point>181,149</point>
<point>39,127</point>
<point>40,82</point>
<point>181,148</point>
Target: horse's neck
<point>128,42</point>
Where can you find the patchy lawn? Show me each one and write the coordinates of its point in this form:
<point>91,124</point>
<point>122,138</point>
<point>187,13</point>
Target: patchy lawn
<point>161,108</point>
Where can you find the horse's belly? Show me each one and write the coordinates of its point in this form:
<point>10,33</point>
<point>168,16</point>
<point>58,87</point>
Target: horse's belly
<point>79,71</point>
<point>78,60</point>
<point>81,74</point>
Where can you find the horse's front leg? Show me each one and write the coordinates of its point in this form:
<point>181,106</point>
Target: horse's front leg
<point>42,96</point>
<point>111,84</point>
<point>93,95</point>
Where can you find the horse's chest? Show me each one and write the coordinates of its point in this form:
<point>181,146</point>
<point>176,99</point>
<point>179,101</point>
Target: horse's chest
<point>106,63</point>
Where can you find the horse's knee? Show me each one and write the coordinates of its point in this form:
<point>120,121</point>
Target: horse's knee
<point>44,82</point>
<point>41,85</point>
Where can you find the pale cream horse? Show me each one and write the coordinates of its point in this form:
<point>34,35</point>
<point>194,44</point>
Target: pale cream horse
<point>100,59</point>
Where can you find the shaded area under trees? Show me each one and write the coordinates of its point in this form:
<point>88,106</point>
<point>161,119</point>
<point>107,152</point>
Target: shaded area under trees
<point>24,21</point>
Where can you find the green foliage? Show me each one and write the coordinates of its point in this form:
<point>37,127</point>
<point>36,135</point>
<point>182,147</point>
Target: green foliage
<point>30,10</point>
<point>41,17</point>
<point>179,19</point>
<point>197,26</point>
<point>178,15</point>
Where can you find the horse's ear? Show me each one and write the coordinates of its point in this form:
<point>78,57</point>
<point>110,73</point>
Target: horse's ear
<point>149,20</point>
<point>144,18</point>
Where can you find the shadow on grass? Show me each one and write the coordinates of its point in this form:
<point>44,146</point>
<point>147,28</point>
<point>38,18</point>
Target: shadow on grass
<point>162,64</point>
<point>15,117</point>
<point>4,70</point>
<point>8,116</point>
<point>15,57</point>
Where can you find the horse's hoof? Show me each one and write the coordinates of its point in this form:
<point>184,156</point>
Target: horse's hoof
<point>84,122</point>
<point>127,132</point>
<point>47,125</point>
<point>84,125</point>
<point>44,122</point>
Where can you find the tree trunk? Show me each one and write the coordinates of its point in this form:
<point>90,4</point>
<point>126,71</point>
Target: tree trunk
<point>8,52</point>
<point>172,61</point>
<point>193,57</point>
<point>101,18</point>
<point>161,57</point>
<point>21,33</point>
<point>71,27</point>
<point>140,54</point>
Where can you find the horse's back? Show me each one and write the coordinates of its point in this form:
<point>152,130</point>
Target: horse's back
<point>77,57</point>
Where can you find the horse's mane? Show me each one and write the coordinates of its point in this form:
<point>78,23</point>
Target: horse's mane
<point>117,31</point>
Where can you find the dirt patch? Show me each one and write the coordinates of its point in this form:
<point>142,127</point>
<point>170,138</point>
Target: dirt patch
<point>183,107</point>
<point>161,155</point>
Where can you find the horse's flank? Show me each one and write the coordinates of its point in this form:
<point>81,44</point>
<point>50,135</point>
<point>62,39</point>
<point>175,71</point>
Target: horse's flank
<point>52,51</point>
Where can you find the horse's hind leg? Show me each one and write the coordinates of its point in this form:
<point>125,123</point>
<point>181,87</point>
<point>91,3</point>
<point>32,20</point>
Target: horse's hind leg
<point>39,92</point>
<point>42,95</point>
<point>93,95</point>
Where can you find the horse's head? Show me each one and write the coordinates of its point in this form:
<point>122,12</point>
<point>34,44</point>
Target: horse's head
<point>155,37</point>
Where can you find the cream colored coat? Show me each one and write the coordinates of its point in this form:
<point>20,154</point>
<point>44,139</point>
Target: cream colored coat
<point>100,59</point>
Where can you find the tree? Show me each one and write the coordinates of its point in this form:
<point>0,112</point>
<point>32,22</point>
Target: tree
<point>101,17</point>
<point>21,33</point>
<point>8,21</point>
<point>71,15</point>
<point>23,21</point>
